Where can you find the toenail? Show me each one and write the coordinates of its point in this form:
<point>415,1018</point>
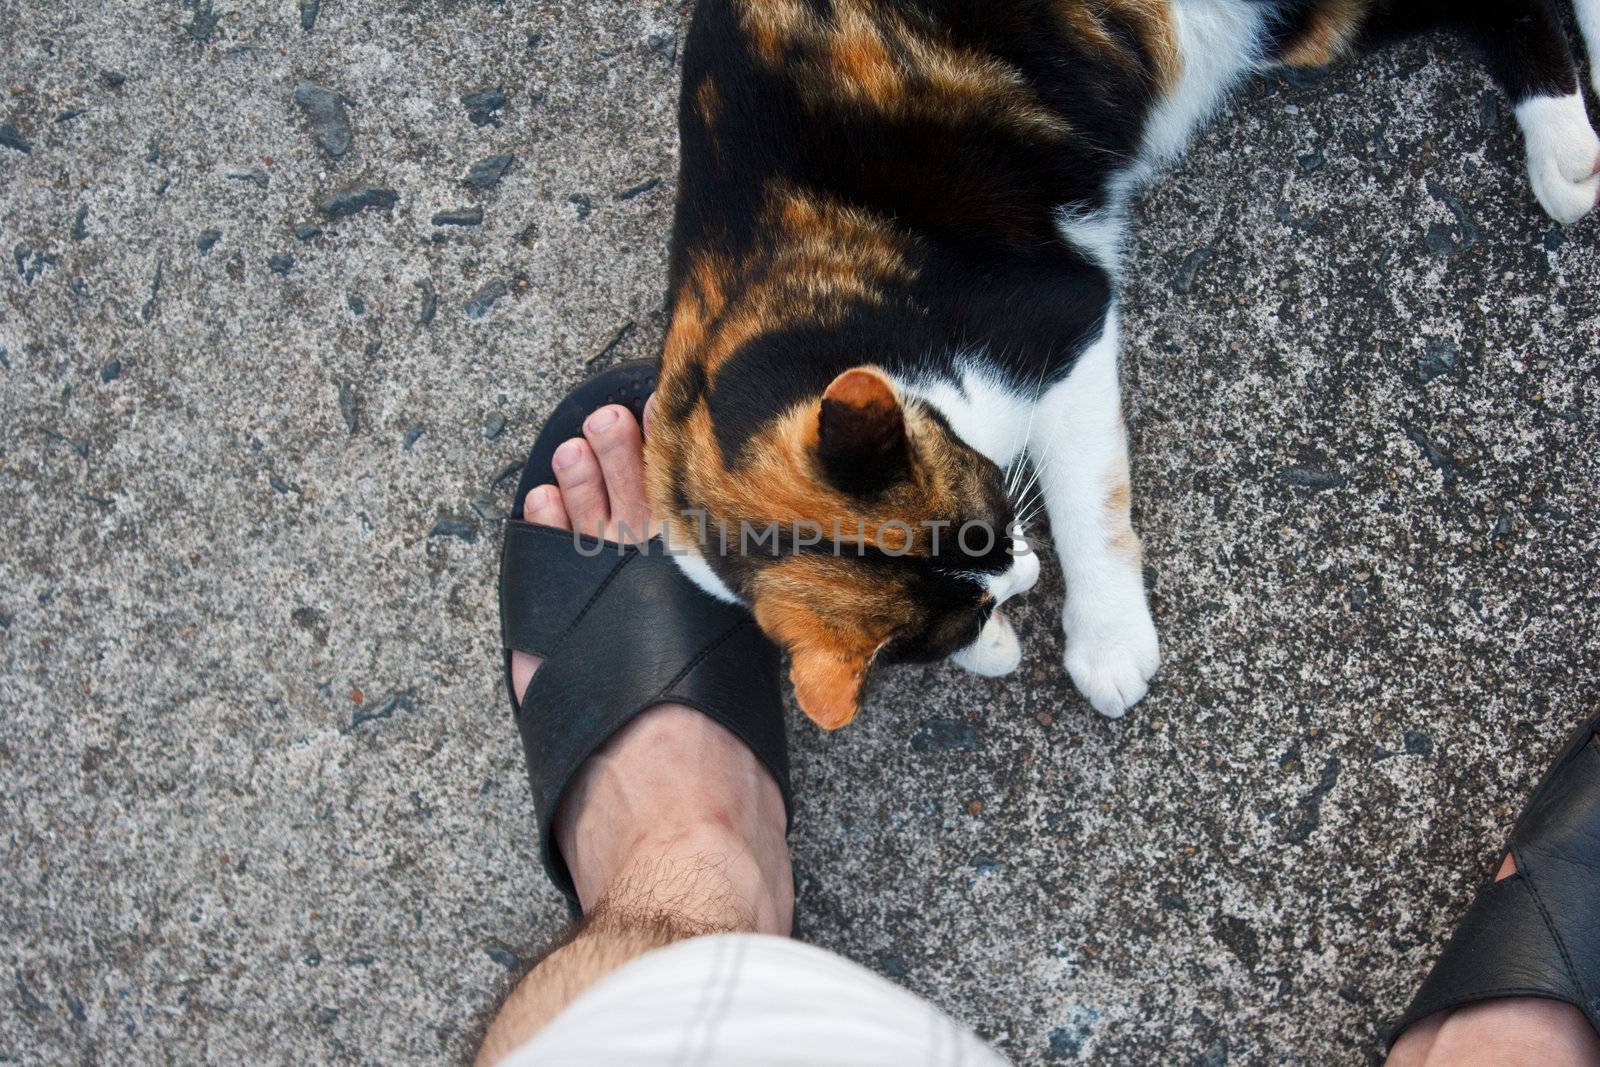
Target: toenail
<point>566,455</point>
<point>538,497</point>
<point>602,418</point>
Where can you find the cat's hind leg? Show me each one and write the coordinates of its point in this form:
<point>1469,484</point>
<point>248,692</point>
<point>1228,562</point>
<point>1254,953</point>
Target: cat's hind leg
<point>1079,448</point>
<point>1563,155</point>
<point>1589,23</point>
<point>1529,55</point>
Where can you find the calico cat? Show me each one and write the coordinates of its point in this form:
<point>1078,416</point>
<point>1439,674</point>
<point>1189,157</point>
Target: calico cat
<point>894,300</point>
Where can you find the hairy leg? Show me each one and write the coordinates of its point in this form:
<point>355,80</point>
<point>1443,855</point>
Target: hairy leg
<point>1079,445</point>
<point>1511,1032</point>
<point>673,829</point>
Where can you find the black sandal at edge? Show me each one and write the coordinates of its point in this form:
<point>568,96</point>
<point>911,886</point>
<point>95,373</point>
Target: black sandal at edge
<point>621,629</point>
<point>1536,933</point>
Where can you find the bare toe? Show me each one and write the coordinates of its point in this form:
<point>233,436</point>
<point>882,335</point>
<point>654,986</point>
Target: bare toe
<point>583,486</point>
<point>544,506</point>
<point>614,436</point>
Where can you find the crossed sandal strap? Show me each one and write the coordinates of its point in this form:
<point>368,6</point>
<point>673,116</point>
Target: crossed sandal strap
<point>1537,932</point>
<point>622,630</point>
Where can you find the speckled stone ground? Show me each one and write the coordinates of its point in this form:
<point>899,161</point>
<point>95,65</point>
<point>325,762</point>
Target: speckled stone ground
<point>260,798</point>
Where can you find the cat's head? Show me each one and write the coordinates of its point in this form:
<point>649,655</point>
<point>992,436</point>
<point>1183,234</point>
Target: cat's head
<point>857,527</point>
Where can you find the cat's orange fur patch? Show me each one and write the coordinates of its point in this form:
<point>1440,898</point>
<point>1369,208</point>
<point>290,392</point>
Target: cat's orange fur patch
<point>833,619</point>
<point>1121,539</point>
<point>865,388</point>
<point>864,61</point>
<point>824,257</point>
<point>827,688</point>
<point>1119,499</point>
<point>708,103</point>
<point>773,24</point>
<point>1151,20</point>
<point>1333,29</point>
<point>870,54</point>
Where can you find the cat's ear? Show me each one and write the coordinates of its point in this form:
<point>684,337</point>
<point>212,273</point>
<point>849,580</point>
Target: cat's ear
<point>828,683</point>
<point>861,431</point>
<point>827,665</point>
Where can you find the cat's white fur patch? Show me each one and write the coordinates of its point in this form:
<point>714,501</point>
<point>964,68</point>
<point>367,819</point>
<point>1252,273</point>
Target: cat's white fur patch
<point>1589,24</point>
<point>996,651</point>
<point>1079,445</point>
<point>1021,576</point>
<point>1098,234</point>
<point>982,409</point>
<point>700,573</point>
<point>1563,155</point>
<point>1219,42</point>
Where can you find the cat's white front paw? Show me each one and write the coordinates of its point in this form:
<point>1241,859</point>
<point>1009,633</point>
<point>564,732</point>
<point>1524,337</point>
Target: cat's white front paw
<point>1112,660</point>
<point>1563,155</point>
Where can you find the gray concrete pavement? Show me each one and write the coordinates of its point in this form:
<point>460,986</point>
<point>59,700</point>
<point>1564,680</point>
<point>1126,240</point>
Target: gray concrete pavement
<point>259,796</point>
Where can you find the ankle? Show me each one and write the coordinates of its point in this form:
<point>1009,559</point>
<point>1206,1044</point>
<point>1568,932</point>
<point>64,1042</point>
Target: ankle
<point>676,808</point>
<point>1515,1030</point>
<point>704,879</point>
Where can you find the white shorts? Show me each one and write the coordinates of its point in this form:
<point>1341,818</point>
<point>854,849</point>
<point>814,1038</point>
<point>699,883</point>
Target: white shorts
<point>750,1000</point>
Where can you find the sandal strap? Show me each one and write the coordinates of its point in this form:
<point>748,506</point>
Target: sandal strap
<point>623,638</point>
<point>545,582</point>
<point>1500,948</point>
<point>1536,933</point>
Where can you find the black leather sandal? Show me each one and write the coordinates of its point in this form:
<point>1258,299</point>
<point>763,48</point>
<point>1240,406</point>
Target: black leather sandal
<point>1536,933</point>
<point>621,629</point>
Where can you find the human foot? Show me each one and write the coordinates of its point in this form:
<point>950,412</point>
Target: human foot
<point>673,799</point>
<point>1511,1031</point>
<point>1535,937</point>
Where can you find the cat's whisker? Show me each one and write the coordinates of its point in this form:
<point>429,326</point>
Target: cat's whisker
<point>1013,473</point>
<point>1030,511</point>
<point>1029,486</point>
<point>1016,486</point>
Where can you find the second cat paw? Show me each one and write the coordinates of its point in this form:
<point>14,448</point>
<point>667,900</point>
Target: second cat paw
<point>1112,663</point>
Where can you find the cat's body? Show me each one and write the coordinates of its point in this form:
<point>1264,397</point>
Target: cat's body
<point>894,283</point>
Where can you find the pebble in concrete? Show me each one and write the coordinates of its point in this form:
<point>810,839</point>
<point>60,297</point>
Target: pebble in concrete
<point>11,138</point>
<point>461,216</point>
<point>486,173</point>
<point>356,199</point>
<point>430,302</point>
<point>484,106</point>
<point>325,111</point>
<point>484,299</point>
